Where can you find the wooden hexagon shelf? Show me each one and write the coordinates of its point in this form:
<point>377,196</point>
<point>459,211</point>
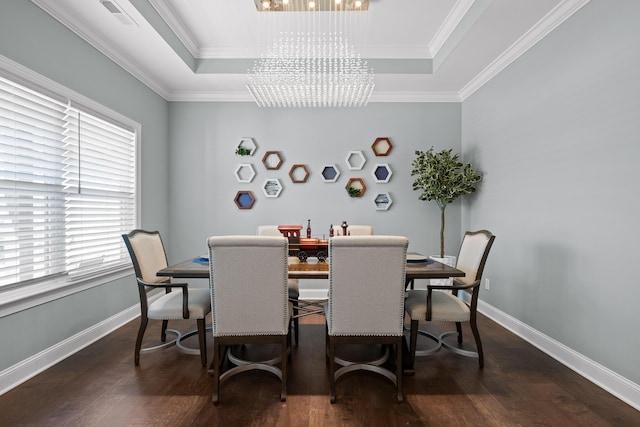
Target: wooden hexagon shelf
<point>382,146</point>
<point>356,184</point>
<point>299,174</point>
<point>272,160</point>
<point>244,199</point>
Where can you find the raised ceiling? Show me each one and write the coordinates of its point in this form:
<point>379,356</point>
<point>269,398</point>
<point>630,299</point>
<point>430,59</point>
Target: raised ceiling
<point>421,50</point>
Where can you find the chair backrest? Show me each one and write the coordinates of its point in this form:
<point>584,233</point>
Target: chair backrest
<point>366,285</point>
<point>354,230</point>
<point>147,254</point>
<point>473,254</point>
<point>268,230</point>
<point>249,290</point>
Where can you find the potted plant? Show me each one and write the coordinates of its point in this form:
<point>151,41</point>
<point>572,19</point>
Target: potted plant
<point>442,178</point>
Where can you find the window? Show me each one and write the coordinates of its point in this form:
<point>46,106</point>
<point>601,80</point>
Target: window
<point>67,189</point>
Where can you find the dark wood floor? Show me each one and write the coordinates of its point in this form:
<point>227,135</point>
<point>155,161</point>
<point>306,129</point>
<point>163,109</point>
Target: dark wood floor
<point>100,386</point>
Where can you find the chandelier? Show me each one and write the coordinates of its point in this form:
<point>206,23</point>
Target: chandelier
<point>316,65</point>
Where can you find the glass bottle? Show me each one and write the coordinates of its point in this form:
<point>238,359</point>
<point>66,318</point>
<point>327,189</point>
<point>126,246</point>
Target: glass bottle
<point>308,229</point>
<point>331,230</point>
<point>344,228</point>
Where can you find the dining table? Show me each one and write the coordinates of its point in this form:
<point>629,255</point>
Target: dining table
<point>418,267</point>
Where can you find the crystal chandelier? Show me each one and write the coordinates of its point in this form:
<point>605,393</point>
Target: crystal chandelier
<point>317,68</point>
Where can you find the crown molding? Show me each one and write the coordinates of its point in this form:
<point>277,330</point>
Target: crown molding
<point>381,97</point>
<point>178,26</point>
<point>548,23</point>
<point>397,96</point>
<point>103,47</point>
<point>449,25</point>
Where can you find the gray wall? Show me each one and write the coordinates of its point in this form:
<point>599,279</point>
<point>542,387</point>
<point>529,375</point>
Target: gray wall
<point>558,136</point>
<point>203,186</point>
<point>32,38</point>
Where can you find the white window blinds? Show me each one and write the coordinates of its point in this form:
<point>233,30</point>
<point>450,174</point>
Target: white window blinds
<point>67,189</point>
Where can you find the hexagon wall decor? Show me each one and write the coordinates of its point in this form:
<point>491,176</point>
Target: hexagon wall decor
<point>381,146</point>
<point>382,173</point>
<point>244,199</point>
<point>355,160</point>
<point>244,145</point>
<point>382,201</point>
<point>245,173</point>
<point>272,187</point>
<point>330,173</point>
<point>272,160</point>
<point>355,184</point>
<point>299,174</point>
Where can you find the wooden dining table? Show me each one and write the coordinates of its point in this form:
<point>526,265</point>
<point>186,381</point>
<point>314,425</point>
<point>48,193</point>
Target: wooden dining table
<point>198,268</point>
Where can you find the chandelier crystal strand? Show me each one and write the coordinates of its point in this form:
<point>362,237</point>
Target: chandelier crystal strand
<point>315,68</point>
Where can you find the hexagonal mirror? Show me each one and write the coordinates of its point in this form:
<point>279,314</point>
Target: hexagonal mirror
<point>382,201</point>
<point>382,173</point>
<point>330,173</point>
<point>245,173</point>
<point>272,187</point>
<point>355,160</point>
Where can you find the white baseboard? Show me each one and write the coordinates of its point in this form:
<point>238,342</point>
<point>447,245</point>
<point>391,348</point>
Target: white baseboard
<point>28,368</point>
<point>616,384</point>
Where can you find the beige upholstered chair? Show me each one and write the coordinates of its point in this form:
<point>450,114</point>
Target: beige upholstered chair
<point>179,302</point>
<point>354,230</point>
<point>366,300</point>
<point>294,286</point>
<point>442,303</point>
<point>249,296</point>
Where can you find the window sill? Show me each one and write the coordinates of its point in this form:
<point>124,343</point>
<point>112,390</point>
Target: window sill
<point>23,298</point>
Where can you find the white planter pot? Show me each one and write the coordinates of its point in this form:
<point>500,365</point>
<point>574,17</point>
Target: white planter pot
<point>449,260</point>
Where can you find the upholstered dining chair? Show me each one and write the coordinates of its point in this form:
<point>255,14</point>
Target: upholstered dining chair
<point>250,301</point>
<point>294,285</point>
<point>179,301</point>
<point>443,303</point>
<point>366,301</point>
<point>354,230</point>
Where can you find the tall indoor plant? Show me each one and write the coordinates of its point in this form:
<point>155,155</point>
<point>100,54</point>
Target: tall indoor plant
<point>442,178</point>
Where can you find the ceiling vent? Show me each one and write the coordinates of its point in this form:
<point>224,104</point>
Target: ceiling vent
<point>116,11</point>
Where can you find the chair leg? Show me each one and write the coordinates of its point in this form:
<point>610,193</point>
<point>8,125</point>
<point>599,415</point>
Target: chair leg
<point>296,328</point>
<point>413,343</point>
<point>399,369</point>
<point>459,330</point>
<point>476,335</point>
<point>284,345</point>
<point>332,369</point>
<point>143,326</point>
<point>203,341</point>
<point>163,332</point>
<point>216,372</point>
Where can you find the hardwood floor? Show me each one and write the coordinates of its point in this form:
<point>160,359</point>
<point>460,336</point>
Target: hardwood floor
<point>100,386</point>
